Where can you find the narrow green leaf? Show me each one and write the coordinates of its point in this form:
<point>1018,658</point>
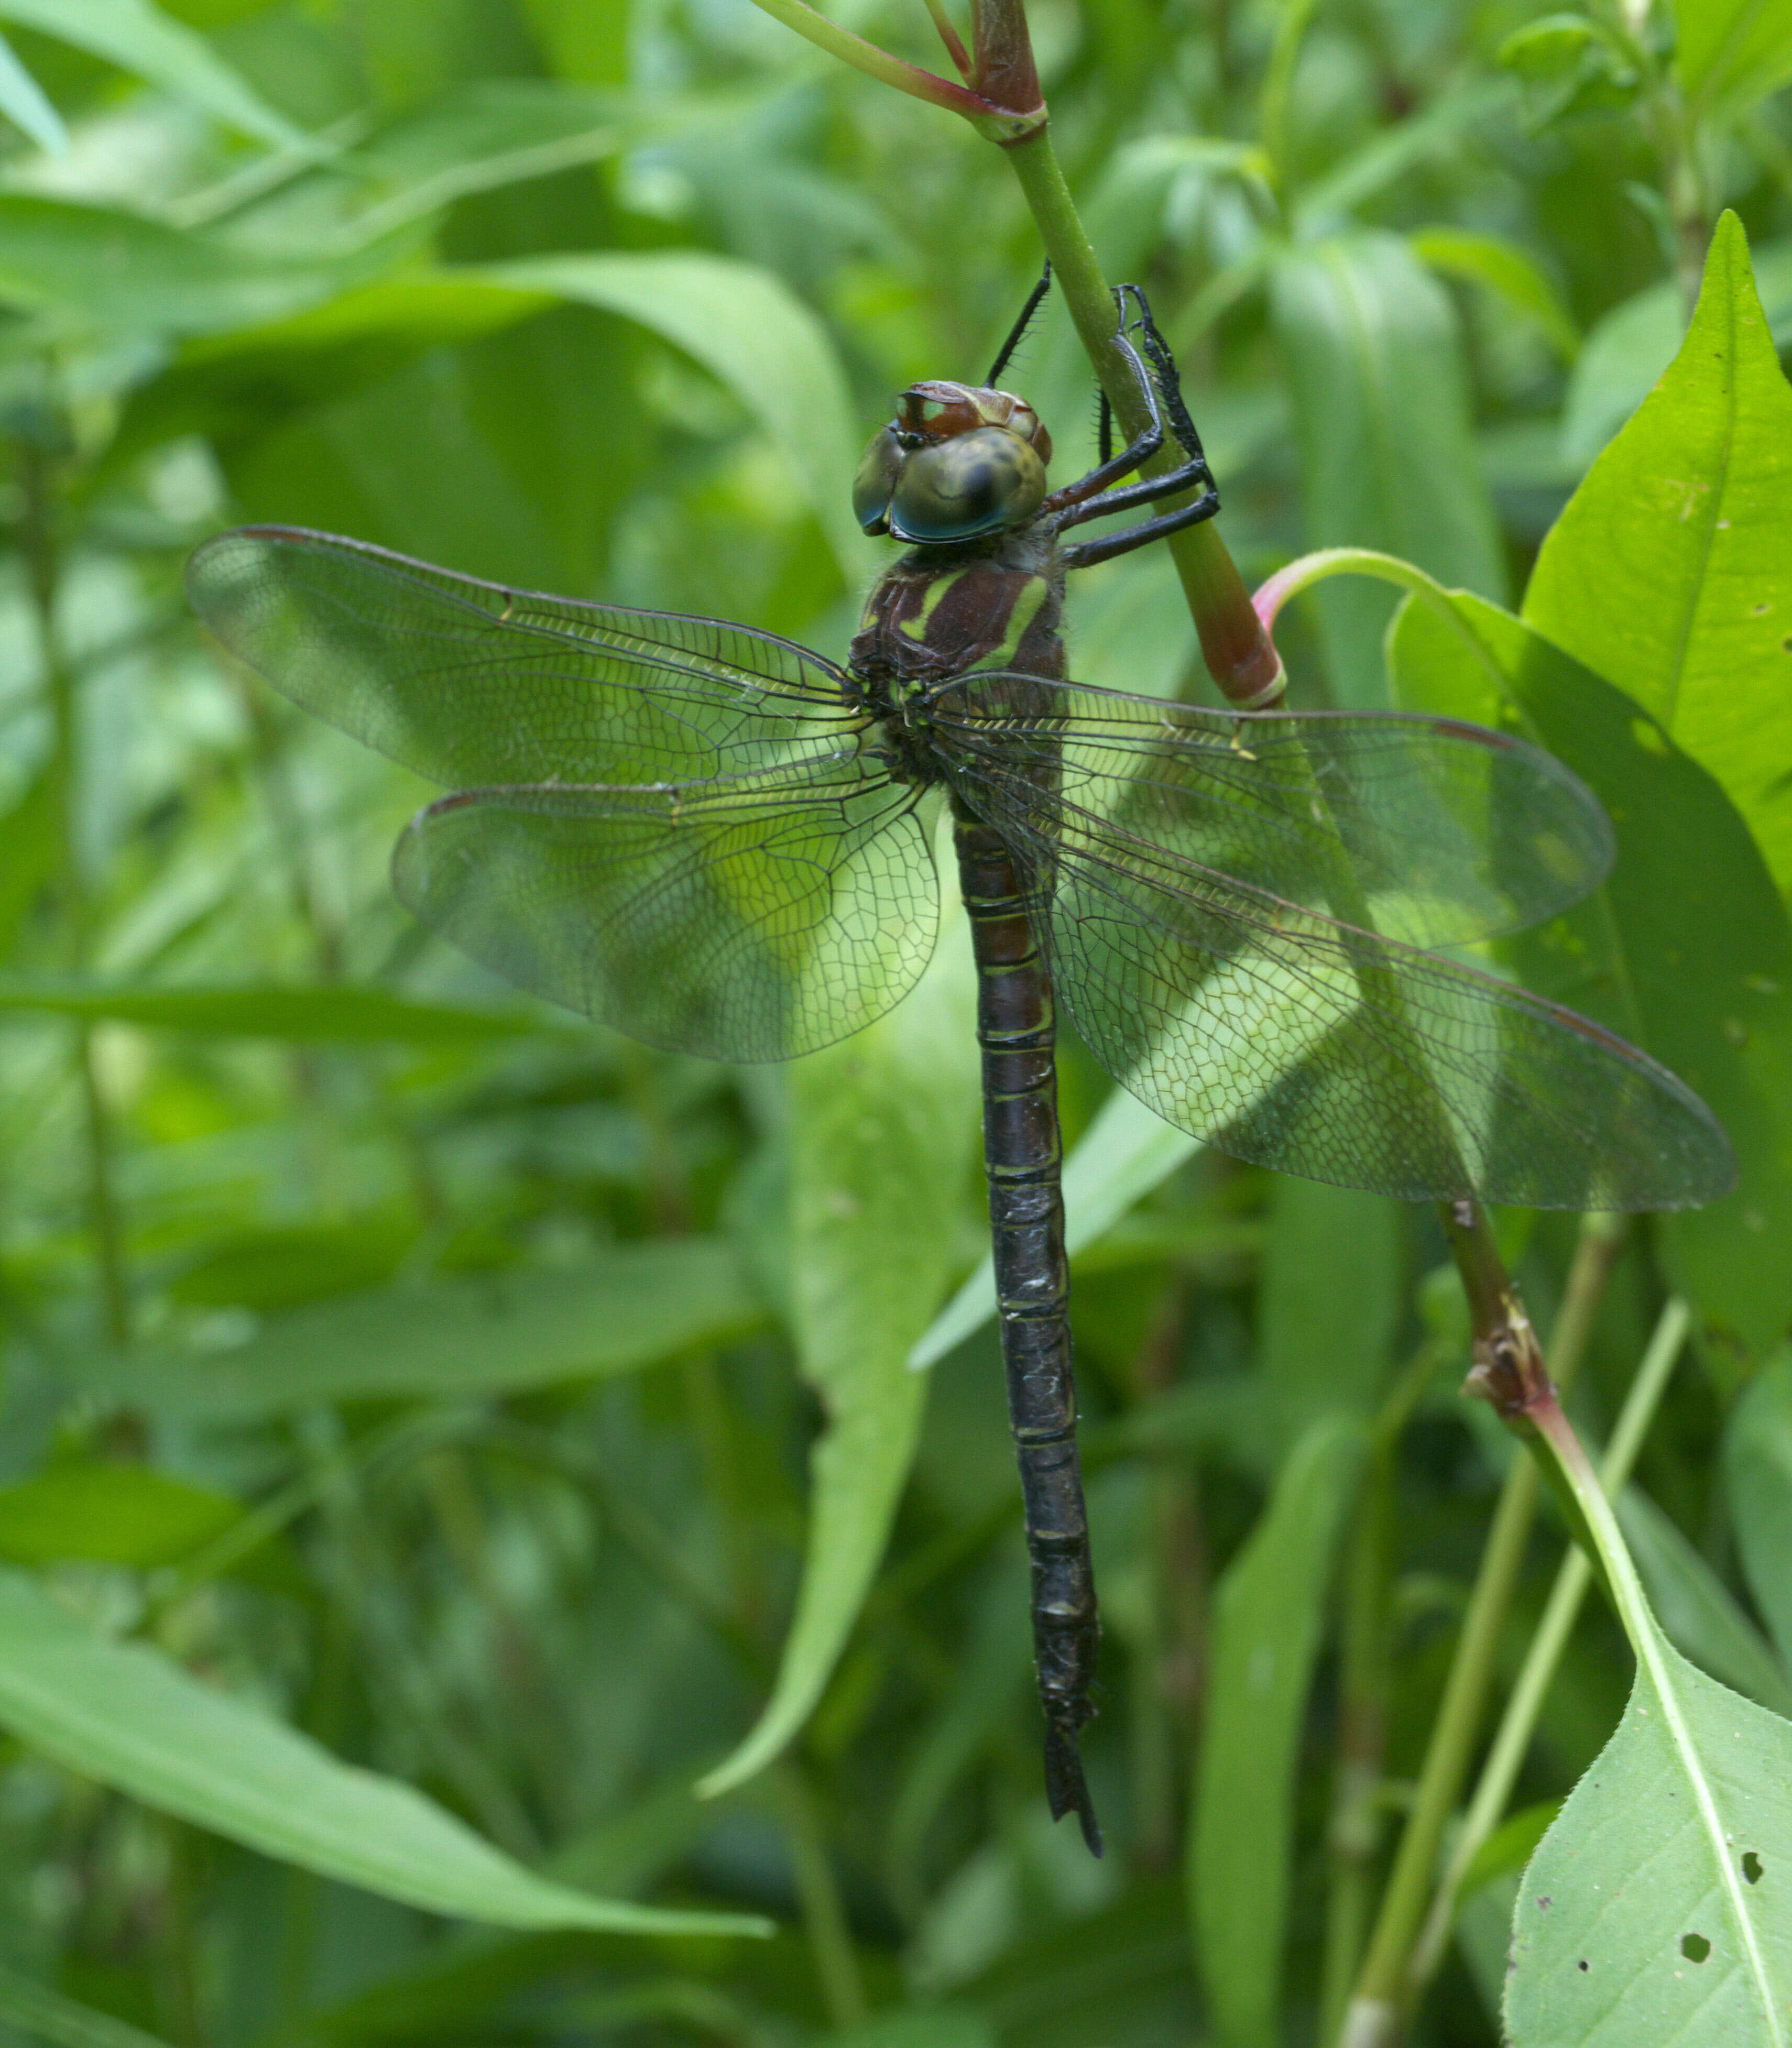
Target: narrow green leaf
<point>1329,1301</point>
<point>456,1340</point>
<point>124,1714</point>
<point>46,2016</point>
<point>1508,268</point>
<point>1758,1472</point>
<point>140,39</point>
<point>1685,951</point>
<point>1388,456</point>
<point>1732,50</point>
<point>1669,572</point>
<point>1268,1612</point>
<point>1658,1908</point>
<point>1695,1609</point>
<point>100,269</point>
<point>23,101</point>
<point>117,1514</point>
<point>747,327</point>
<point>883,1129</point>
<point>331,1013</point>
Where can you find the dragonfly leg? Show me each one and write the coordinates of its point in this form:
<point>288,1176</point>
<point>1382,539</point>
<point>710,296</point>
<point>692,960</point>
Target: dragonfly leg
<point>1023,1153</point>
<point>1018,332</point>
<point>1090,497</point>
<point>1084,554</point>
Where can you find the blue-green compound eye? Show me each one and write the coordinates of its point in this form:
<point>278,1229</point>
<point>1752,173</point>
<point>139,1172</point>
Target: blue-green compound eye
<point>875,481</point>
<point>972,483</point>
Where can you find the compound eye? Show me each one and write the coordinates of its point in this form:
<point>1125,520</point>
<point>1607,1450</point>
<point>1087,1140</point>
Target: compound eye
<point>872,487</point>
<point>976,482</point>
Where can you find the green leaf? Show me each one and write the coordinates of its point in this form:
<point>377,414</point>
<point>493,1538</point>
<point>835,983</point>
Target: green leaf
<point>141,39</point>
<point>1658,1908</point>
<point>748,329</point>
<point>1508,268</point>
<point>883,1129</point>
<point>335,1013</point>
<point>454,1339</point>
<point>93,269</point>
<point>1330,1299</point>
<point>1669,572</point>
<point>125,1715</point>
<point>46,2016</point>
<point>23,101</point>
<point>1736,51</point>
<point>1388,456</point>
<point>1268,1612</point>
<point>1685,951</point>
<point>116,1514</point>
<point>944,2026</point>
<point>1633,344</point>
<point>1695,1608</point>
<point>1757,1473</point>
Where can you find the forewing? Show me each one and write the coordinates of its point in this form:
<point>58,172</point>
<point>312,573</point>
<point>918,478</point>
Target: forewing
<point>469,682</point>
<point>1436,831</point>
<point>1292,1040</point>
<point>749,919</point>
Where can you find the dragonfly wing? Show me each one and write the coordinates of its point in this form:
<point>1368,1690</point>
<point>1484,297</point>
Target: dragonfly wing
<point>468,682</point>
<point>750,919</point>
<point>1299,1042</point>
<point>1435,831</point>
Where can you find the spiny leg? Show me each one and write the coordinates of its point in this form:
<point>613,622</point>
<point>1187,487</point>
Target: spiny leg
<point>1017,334</point>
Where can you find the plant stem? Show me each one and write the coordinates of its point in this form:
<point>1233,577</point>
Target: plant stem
<point>38,467</point>
<point>1500,1771</point>
<point>836,1962</point>
<point>1240,654</point>
<point>1504,1345</point>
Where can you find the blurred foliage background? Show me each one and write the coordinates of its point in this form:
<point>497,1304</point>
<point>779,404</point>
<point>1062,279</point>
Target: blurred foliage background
<point>444,1377</point>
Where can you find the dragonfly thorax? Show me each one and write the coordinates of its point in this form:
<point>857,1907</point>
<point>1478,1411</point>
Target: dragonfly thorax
<point>958,461</point>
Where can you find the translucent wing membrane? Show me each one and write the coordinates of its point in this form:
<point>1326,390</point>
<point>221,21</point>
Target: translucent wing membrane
<point>471,683</point>
<point>750,919</point>
<point>1450,832</point>
<point>1289,1038</point>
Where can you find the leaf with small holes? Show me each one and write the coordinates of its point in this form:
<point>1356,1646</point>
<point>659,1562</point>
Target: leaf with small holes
<point>1657,1912</point>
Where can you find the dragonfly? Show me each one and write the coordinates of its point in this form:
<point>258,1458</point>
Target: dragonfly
<point>721,843</point>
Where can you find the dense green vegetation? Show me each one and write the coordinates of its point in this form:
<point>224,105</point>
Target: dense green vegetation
<point>399,1374</point>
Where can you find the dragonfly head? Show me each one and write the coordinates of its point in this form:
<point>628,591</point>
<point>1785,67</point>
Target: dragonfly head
<point>958,461</point>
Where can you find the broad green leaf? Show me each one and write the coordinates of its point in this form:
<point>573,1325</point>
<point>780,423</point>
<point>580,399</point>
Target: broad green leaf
<point>462,1339</point>
<point>882,1131</point>
<point>1387,457</point>
<point>1268,1611</point>
<point>747,328</point>
<point>1670,573</point>
<point>116,1514</point>
<point>1695,1609</point>
<point>1685,951</point>
<point>331,1013</point>
<point>1508,268</point>
<point>99,270</point>
<point>1632,345</point>
<point>1758,1472</point>
<point>1658,1907</point>
<point>23,101</point>
<point>142,40</point>
<point>1732,50</point>
<point>124,1714</point>
<point>1330,1299</point>
<point>45,2014</point>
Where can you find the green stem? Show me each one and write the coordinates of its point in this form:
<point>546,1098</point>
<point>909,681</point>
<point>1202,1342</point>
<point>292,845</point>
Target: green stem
<point>1376,2012</point>
<point>1500,1771</point>
<point>1240,654</point>
<point>39,465</point>
<point>836,1961</point>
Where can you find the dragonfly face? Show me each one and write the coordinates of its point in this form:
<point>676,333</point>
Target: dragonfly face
<point>958,462</point>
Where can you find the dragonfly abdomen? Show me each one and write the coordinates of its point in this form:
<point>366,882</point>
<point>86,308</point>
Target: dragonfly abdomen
<point>1022,1153</point>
